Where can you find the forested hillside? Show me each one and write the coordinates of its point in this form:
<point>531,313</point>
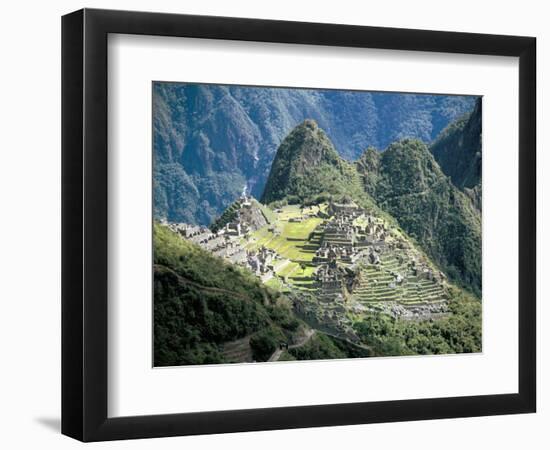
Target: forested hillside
<point>407,182</point>
<point>202,302</point>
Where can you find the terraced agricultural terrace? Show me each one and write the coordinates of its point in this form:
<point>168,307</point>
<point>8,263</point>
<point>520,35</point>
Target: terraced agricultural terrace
<point>337,262</point>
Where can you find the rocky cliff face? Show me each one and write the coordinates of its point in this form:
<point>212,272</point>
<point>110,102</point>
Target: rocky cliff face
<point>458,152</point>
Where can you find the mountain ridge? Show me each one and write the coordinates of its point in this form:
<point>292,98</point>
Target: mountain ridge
<point>211,140</point>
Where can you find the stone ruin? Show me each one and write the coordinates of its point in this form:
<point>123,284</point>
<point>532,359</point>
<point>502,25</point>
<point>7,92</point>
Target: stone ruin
<point>345,244</point>
<point>225,243</point>
<point>345,208</point>
<point>333,282</point>
<point>348,242</point>
<point>262,262</point>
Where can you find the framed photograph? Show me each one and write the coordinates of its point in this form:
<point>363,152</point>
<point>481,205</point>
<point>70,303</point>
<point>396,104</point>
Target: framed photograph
<point>273,224</point>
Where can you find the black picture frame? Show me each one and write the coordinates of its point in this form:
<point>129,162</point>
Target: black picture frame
<point>84,224</point>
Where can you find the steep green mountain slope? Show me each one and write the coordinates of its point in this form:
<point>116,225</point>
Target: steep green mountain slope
<point>211,140</point>
<point>306,166</point>
<point>201,302</point>
<point>458,152</point>
<point>406,181</point>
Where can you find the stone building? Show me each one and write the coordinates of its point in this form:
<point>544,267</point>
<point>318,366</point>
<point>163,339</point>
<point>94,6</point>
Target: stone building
<point>347,208</point>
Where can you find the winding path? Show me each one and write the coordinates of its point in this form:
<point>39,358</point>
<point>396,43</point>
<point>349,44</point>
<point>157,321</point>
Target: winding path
<point>304,340</point>
<point>212,290</point>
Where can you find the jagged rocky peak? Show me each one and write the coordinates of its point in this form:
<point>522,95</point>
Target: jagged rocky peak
<point>311,124</point>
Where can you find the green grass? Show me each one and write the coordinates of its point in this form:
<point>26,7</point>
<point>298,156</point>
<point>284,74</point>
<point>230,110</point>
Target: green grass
<point>288,269</point>
<point>274,283</point>
<point>267,212</point>
<point>293,236</point>
<point>307,271</point>
<point>290,211</point>
<point>291,243</point>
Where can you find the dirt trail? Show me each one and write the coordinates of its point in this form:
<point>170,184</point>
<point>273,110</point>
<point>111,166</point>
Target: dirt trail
<point>304,340</point>
<point>276,355</point>
<point>212,290</point>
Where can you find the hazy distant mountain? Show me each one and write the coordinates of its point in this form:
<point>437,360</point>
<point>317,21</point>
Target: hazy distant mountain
<point>211,141</point>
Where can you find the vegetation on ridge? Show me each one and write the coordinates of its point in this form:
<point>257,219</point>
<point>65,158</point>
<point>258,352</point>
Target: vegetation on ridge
<point>307,166</point>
